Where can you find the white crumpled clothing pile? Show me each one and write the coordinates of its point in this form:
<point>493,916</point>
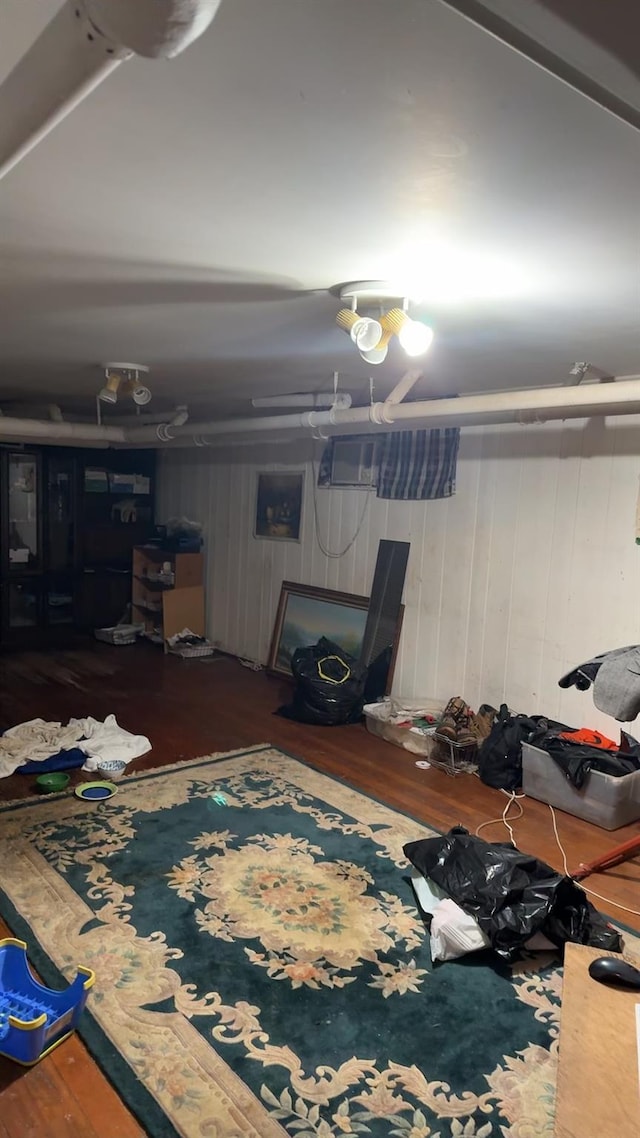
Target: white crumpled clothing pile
<point>38,740</point>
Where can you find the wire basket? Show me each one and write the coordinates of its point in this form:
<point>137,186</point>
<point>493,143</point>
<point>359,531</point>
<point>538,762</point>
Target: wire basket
<point>119,634</point>
<point>455,758</point>
<point>192,651</point>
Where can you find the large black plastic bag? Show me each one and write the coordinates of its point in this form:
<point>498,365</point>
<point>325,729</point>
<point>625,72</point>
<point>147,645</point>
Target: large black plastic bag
<point>329,686</point>
<point>512,895</point>
<point>500,755</point>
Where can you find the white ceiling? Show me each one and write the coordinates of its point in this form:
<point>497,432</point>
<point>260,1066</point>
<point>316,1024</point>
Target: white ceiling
<point>192,215</point>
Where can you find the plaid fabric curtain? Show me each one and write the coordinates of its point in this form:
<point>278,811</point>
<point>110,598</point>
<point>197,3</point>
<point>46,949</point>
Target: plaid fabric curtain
<point>411,465</point>
<point>416,465</point>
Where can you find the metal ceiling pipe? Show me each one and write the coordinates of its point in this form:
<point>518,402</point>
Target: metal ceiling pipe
<point>533,405</point>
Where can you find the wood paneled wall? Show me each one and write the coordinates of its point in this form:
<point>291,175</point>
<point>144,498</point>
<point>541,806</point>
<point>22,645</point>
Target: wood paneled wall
<point>529,569</point>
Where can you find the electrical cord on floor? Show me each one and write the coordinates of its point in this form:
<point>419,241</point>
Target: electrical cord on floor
<point>513,797</point>
<point>586,888</point>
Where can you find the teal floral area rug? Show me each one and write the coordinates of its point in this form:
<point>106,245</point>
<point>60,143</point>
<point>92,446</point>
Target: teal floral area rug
<point>261,968</point>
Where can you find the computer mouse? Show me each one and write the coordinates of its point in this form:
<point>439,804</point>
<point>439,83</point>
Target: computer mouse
<point>611,970</point>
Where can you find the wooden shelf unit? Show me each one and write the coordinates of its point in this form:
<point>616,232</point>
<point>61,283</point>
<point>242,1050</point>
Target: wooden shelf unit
<point>167,608</point>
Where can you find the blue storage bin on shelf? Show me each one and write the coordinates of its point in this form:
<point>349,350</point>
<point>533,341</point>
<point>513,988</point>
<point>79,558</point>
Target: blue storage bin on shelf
<point>35,1019</point>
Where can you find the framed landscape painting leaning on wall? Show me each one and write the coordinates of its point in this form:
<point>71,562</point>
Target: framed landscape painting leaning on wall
<point>306,613</point>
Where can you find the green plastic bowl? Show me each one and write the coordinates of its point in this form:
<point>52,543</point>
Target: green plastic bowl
<point>50,783</point>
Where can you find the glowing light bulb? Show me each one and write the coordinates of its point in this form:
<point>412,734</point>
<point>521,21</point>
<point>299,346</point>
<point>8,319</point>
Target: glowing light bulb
<point>415,337</point>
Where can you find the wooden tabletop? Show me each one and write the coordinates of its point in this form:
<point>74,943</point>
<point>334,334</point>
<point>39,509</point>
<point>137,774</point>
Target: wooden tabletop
<point>598,1087</point>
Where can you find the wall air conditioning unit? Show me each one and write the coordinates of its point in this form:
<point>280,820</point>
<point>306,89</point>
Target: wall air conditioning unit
<point>354,462</point>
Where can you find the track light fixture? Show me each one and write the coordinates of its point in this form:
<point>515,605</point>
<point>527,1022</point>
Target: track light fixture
<point>125,377</point>
<point>373,336</point>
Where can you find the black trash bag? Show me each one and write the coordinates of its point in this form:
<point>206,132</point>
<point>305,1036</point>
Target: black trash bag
<point>377,683</point>
<point>500,756</point>
<point>329,686</point>
<point>512,895</point>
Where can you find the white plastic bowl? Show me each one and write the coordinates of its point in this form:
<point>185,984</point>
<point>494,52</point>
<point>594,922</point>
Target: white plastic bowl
<point>112,769</point>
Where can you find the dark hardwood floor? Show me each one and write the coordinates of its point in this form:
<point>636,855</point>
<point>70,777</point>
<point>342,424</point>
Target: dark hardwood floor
<point>193,708</point>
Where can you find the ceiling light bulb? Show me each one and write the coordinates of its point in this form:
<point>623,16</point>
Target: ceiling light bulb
<point>415,337</point>
<point>364,331</point>
<point>109,393</point>
<point>140,395</point>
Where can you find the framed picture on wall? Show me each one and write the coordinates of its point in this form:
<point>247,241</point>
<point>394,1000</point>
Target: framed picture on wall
<point>306,613</point>
<point>278,514</point>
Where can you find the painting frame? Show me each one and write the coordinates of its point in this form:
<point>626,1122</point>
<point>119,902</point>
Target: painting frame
<point>331,597</point>
<point>288,589</point>
<point>281,493</point>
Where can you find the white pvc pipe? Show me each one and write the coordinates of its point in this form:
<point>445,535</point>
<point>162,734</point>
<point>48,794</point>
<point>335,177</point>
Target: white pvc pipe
<point>526,406</point>
<point>65,434</point>
<point>145,419</point>
<point>535,404</point>
<point>56,74</point>
<point>402,389</point>
<point>303,399</point>
<point>84,42</point>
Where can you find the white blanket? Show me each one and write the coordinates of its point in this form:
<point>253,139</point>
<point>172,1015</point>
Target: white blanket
<point>107,740</point>
<point>38,740</point>
<point>35,741</point>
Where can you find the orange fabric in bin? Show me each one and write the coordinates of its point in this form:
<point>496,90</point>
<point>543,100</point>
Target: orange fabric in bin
<point>591,738</point>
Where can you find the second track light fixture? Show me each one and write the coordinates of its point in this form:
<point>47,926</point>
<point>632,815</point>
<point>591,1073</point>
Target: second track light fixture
<point>372,335</point>
<point>125,377</point>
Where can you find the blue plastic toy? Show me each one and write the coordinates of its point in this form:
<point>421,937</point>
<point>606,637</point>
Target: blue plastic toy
<point>35,1019</point>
